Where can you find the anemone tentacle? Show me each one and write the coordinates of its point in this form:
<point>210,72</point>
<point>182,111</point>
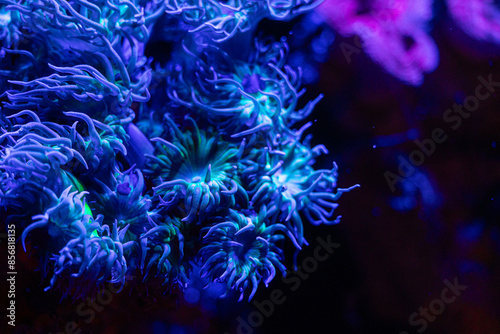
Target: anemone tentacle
<point>224,19</point>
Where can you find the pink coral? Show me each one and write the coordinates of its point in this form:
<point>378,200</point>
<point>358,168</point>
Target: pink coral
<point>393,33</point>
<point>480,19</point>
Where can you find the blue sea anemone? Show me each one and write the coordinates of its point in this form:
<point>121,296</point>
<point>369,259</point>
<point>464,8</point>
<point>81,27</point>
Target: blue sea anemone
<point>122,200</point>
<point>241,249</point>
<point>241,97</point>
<point>99,146</point>
<point>34,158</point>
<point>196,169</point>
<point>61,221</point>
<point>96,256</point>
<point>286,183</point>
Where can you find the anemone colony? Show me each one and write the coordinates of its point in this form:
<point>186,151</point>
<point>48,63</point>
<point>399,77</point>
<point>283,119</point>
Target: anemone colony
<point>113,162</point>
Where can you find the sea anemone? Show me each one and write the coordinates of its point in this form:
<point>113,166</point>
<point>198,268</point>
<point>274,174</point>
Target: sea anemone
<point>195,168</point>
<point>34,158</point>
<point>286,183</point>
<point>241,97</point>
<point>96,256</point>
<point>61,221</point>
<point>122,200</point>
<point>241,249</point>
<point>223,19</point>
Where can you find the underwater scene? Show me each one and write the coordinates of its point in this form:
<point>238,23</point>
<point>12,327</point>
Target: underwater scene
<point>250,167</point>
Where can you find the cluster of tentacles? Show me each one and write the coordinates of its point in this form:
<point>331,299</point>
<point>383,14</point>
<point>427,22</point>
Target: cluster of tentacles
<point>195,168</point>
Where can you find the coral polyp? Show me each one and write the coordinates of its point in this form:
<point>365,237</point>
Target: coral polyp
<point>287,179</point>
<point>96,256</point>
<point>197,170</point>
<point>224,19</point>
<point>191,168</point>
<point>243,97</point>
<point>241,250</point>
